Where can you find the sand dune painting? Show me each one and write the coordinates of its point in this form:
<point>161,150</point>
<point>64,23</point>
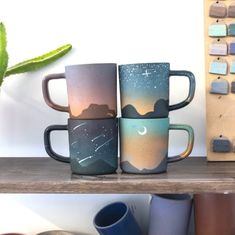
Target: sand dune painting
<point>144,145</point>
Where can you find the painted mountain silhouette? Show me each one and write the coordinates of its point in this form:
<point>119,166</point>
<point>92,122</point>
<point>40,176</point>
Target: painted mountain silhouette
<point>160,110</point>
<point>128,167</point>
<point>97,167</point>
<point>98,111</point>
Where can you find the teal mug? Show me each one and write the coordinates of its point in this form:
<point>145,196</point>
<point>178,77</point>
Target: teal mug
<point>144,145</point>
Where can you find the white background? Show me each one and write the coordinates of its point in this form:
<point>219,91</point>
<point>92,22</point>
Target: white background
<point>124,31</point>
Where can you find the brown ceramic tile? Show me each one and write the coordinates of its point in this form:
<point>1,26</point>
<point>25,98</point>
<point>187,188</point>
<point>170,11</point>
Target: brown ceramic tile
<point>218,10</point>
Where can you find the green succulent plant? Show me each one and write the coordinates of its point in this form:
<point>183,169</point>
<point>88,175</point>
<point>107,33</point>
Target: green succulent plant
<point>27,65</point>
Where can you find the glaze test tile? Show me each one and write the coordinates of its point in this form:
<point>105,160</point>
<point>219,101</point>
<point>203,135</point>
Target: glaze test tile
<point>217,30</point>
<point>218,10</point>
<point>218,67</point>
<point>220,86</point>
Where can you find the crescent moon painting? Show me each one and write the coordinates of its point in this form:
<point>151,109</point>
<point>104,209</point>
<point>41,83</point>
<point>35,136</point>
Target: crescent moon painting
<point>144,131</point>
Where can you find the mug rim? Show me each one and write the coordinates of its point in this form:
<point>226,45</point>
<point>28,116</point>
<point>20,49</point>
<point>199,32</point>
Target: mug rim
<point>113,224</point>
<point>156,63</point>
<point>173,197</point>
<point>145,119</point>
<point>89,64</point>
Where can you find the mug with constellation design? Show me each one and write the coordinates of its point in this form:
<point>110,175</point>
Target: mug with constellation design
<point>145,90</point>
<point>93,145</point>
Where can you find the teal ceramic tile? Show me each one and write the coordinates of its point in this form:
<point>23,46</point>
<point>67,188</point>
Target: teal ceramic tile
<point>217,30</point>
<point>232,67</point>
<point>220,86</point>
<point>231,29</point>
<point>218,67</point>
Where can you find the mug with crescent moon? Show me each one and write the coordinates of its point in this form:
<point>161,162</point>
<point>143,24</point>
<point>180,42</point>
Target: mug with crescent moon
<point>144,145</point>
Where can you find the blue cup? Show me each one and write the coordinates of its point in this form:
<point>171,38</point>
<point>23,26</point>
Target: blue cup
<point>116,219</point>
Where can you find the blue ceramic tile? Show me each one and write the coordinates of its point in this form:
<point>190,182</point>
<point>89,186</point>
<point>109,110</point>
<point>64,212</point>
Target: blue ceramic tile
<point>221,145</point>
<point>232,48</point>
<point>218,67</point>
<point>220,86</point>
<point>232,67</point>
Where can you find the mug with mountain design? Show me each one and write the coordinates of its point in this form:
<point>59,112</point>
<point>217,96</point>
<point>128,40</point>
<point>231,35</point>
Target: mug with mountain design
<point>145,90</point>
<point>93,145</point>
<point>144,145</point>
<point>91,91</point>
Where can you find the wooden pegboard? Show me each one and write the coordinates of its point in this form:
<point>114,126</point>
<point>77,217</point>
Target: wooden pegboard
<point>220,108</point>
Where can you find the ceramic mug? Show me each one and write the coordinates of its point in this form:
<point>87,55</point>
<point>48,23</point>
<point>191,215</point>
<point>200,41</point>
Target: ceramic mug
<point>144,145</point>
<point>116,219</point>
<point>93,145</point>
<point>145,90</point>
<point>91,91</point>
<point>170,214</point>
<point>214,214</point>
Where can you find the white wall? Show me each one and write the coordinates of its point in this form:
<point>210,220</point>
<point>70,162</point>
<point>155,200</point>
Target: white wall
<point>124,31</point>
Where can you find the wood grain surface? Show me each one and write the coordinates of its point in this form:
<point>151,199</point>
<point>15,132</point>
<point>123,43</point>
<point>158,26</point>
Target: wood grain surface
<point>44,175</point>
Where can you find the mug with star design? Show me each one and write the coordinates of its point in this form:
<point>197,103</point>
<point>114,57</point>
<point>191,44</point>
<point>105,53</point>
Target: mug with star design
<point>145,90</point>
<point>93,145</point>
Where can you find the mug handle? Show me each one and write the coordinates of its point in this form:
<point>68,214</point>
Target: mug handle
<point>46,93</point>
<point>47,143</point>
<point>192,86</point>
<point>189,148</point>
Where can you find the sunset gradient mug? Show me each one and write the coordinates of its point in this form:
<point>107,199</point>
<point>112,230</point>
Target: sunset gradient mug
<point>145,90</point>
<point>91,91</point>
<point>144,145</point>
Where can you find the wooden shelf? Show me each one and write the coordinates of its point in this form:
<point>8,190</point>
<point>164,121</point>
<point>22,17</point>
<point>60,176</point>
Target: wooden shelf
<point>44,175</point>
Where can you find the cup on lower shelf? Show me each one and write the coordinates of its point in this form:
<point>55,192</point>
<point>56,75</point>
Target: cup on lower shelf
<point>116,219</point>
<point>214,214</point>
<point>170,214</point>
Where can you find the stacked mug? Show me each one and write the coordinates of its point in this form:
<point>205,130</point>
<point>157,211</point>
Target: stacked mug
<point>92,126</point>
<point>144,126</point>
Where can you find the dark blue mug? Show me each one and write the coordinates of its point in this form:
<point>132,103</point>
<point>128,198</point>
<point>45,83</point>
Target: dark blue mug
<point>145,90</point>
<point>93,145</point>
<point>116,219</point>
